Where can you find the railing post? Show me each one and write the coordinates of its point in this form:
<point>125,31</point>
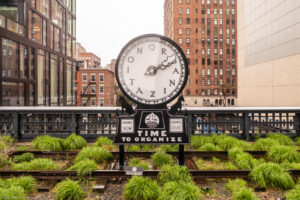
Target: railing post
<point>15,122</point>
<point>78,123</point>
<point>297,124</point>
<point>191,124</point>
<point>73,124</point>
<point>246,125</point>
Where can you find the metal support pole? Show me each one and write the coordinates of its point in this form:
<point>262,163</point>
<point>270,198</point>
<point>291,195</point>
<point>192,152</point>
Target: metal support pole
<point>181,154</point>
<point>15,123</point>
<point>246,124</point>
<point>121,157</point>
<point>297,124</point>
<point>73,124</point>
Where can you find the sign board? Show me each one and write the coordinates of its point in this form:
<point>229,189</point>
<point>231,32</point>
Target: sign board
<point>134,171</point>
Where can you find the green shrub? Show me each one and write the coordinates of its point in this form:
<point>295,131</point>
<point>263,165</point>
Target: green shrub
<point>28,183</point>
<point>272,175</point>
<point>22,148</point>
<point>282,153</point>
<point>293,194</point>
<point>198,141</point>
<point>233,152</point>
<point>98,154</point>
<point>228,142</point>
<point>174,173</point>
<point>136,162</point>
<point>4,160</point>
<point>245,161</point>
<point>25,157</point>
<point>103,141</point>
<point>244,194</point>
<point>169,147</point>
<point>282,139</point>
<point>84,167</point>
<point>180,191</point>
<point>231,166</point>
<point>14,192</point>
<point>147,147</point>
<point>134,148</point>
<point>209,147</point>
<point>48,143</point>
<point>235,184</point>
<point>161,158</point>
<point>69,190</point>
<point>74,142</point>
<point>287,165</point>
<point>264,144</point>
<point>7,139</point>
<point>139,188</point>
<point>36,164</point>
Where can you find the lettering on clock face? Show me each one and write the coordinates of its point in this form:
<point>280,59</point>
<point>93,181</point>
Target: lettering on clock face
<point>151,70</point>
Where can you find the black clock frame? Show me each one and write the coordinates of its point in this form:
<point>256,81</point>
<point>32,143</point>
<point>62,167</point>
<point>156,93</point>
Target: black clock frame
<point>159,105</point>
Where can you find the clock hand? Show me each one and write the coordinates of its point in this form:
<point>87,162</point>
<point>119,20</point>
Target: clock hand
<point>151,70</point>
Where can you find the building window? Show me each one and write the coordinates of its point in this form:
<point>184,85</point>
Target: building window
<point>233,11</point>
<point>188,21</point>
<point>208,2</point>
<point>221,21</point>
<point>93,77</point>
<point>54,79</point>
<point>187,11</point>
<point>180,1</point>
<point>10,58</point>
<point>93,102</point>
<point>187,1</point>
<point>208,51</point>
<point>83,77</point>
<point>101,89</point>
<point>188,41</point>
<point>187,31</point>
<point>180,20</point>
<point>221,11</point>
<point>215,11</point>
<point>180,31</point>
<point>84,102</point>
<point>180,11</point>
<point>101,78</point>
<point>188,93</point>
<point>36,27</point>
<point>93,89</point>
<point>215,21</point>
<point>208,11</point>
<point>188,51</point>
<point>221,2</point>
<point>58,14</point>
<point>101,102</point>
<point>208,92</point>
<point>215,92</point>
<point>180,41</point>
<point>208,81</point>
<point>203,82</point>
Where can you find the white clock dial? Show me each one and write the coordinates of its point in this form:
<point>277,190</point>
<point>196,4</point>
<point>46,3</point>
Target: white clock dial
<point>151,70</point>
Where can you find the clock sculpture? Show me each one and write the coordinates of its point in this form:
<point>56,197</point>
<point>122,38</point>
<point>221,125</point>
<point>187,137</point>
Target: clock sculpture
<point>151,70</point>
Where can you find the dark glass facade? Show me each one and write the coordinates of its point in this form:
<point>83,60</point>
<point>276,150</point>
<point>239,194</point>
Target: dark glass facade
<point>37,56</point>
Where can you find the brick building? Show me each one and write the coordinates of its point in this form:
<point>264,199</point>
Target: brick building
<point>206,32</point>
<point>37,52</point>
<point>95,85</point>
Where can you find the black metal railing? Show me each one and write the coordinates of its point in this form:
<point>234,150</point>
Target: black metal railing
<point>25,123</point>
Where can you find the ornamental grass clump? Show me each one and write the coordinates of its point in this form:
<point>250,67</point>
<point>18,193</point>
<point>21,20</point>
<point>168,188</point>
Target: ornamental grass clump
<point>244,194</point>
<point>161,158</point>
<point>74,142</point>
<point>281,153</point>
<point>209,147</point>
<point>136,162</point>
<point>84,167</point>
<point>233,152</point>
<point>264,144</point>
<point>22,148</point>
<point>134,148</point>
<point>25,157</point>
<point>293,194</point>
<point>235,184</point>
<point>197,141</point>
<point>4,160</point>
<point>28,183</point>
<point>103,141</point>
<point>98,154</point>
<point>282,139</point>
<point>229,142</point>
<point>174,173</point>
<point>180,191</point>
<point>272,175</point>
<point>47,143</point>
<point>245,161</point>
<point>139,188</point>
<point>68,190</point>
<point>14,192</point>
<point>169,147</point>
<point>36,164</point>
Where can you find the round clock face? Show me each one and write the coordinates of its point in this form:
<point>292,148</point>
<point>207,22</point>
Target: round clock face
<point>151,69</point>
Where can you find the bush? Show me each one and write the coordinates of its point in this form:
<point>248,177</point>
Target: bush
<point>134,148</point>
<point>282,153</point>
<point>4,160</point>
<point>136,162</point>
<point>14,192</point>
<point>244,194</point>
<point>25,157</point>
<point>28,183</point>
<point>209,147</point>
<point>169,147</point>
<point>174,173</point>
<point>287,165</point>
<point>22,148</point>
<point>67,190</point>
<point>199,141</point>
<point>84,167</point>
<point>103,141</point>
<point>48,143</point>
<point>272,175</point>
<point>161,158</point>
<point>245,161</point>
<point>282,139</point>
<point>234,185</point>
<point>36,164</point>
<point>74,142</point>
<point>293,194</point>
<point>139,188</point>
<point>233,152</point>
<point>264,144</point>
<point>98,154</point>
<point>228,142</point>
<point>180,191</point>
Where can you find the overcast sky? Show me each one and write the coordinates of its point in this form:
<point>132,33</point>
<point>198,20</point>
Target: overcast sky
<point>105,26</point>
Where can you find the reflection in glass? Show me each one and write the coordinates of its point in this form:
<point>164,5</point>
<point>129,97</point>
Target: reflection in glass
<point>9,58</point>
